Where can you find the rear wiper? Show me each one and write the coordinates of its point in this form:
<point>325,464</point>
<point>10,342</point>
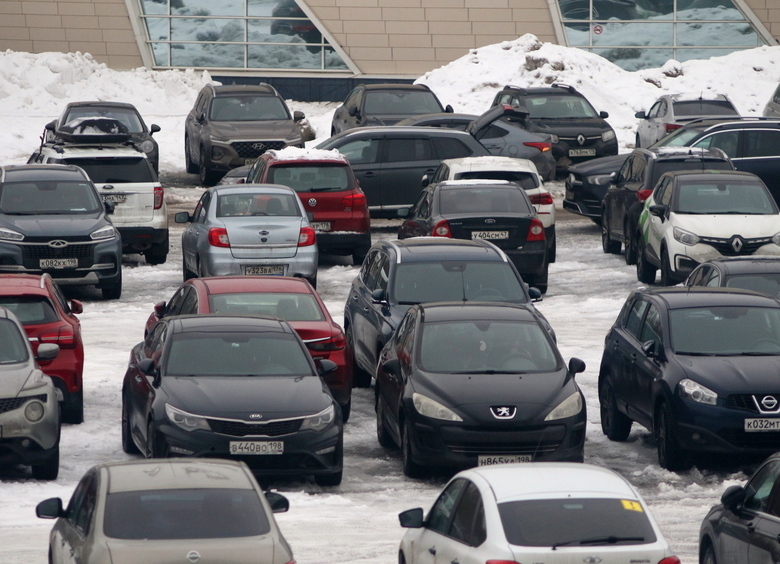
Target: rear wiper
<point>599,540</point>
<point>326,188</point>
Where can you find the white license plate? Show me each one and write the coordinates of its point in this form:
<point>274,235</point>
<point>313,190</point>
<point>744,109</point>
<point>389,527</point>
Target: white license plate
<point>759,425</point>
<point>321,225</point>
<point>59,263</point>
<point>490,234</point>
<point>582,152</point>
<point>114,198</point>
<point>274,270</point>
<point>494,460</point>
<point>256,447</point>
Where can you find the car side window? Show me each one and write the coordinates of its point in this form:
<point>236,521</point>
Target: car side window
<point>759,488</point>
<point>59,296</point>
<point>638,170</point>
<point>654,109</point>
<point>190,303</point>
<point>625,171</point>
<point>715,280</point>
<point>665,197</point>
<point>440,174</point>
<point>199,215</point>
<point>382,271</point>
<point>726,141</point>
<point>449,148</point>
<point>82,505</point>
<point>635,315</point>
<point>698,276</point>
<point>441,513</point>
<point>468,523</point>
<point>660,189</point>
<point>361,151</point>
<point>651,330</point>
<point>174,305</point>
<point>424,209</point>
<point>366,267</point>
<point>352,99</point>
<point>256,172</point>
<point>762,143</point>
<point>406,150</point>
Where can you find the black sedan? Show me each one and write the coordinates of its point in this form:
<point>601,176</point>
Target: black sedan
<point>496,210</point>
<point>232,387</point>
<point>473,384</point>
<point>698,368</point>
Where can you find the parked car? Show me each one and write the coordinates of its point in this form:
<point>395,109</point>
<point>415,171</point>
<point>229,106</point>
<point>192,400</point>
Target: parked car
<point>29,412</point>
<point>248,229</point>
<point>52,220</point>
<point>389,162</point>
<point>495,210</point>
<point>550,512</point>
<point>291,299</point>
<point>516,170</point>
<point>235,175</point>
<point>561,110</point>
<point>501,138</point>
<point>697,368</point>
<point>329,191</point>
<point>232,125</point>
<point>694,216</point>
<point>634,182</point>
<point>757,273</point>
<point>123,176</point>
<point>159,512</point>
<point>127,114</point>
<point>744,527</point>
<point>49,318</point>
<point>399,274</point>
<point>237,387</point>
<point>772,108</point>
<point>384,104</point>
<point>672,111</point>
<point>447,389</point>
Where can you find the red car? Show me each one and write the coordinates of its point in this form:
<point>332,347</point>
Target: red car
<point>326,184</point>
<point>291,299</point>
<point>48,317</point>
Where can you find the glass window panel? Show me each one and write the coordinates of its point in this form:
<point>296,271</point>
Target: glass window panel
<point>199,29</point>
<point>209,7</point>
<point>633,34</point>
<point>632,59</point>
<point>262,7</point>
<point>577,34</point>
<point>154,7</point>
<point>333,60</point>
<point>158,28</point>
<point>160,52</point>
<point>575,9</point>
<point>705,34</point>
<point>207,55</point>
<point>708,10</point>
<point>284,57</point>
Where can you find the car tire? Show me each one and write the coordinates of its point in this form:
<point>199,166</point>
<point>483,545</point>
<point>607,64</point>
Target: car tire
<point>382,435</point>
<point>609,246</point>
<point>190,165</point>
<point>630,247</point>
<point>114,291</point>
<point>667,278</point>
<point>552,251</point>
<point>411,468</point>
<point>206,175</point>
<point>708,557</point>
<point>614,424</point>
<point>670,455</point>
<point>128,445</point>
<point>645,271</point>
<point>155,443</point>
<point>50,468</point>
<point>156,254</point>
<point>360,378</point>
<point>73,413</point>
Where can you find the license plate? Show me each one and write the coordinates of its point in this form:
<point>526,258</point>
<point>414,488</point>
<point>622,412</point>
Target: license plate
<point>490,234</point>
<point>494,460</point>
<point>274,270</point>
<point>321,225</point>
<point>256,447</point>
<point>59,263</point>
<point>759,425</point>
<point>114,198</point>
<point>582,152</point>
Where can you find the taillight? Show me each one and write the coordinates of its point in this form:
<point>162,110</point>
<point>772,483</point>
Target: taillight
<point>442,229</point>
<point>159,197</point>
<point>642,195</point>
<point>535,231</point>
<point>306,237</point>
<point>333,344</point>
<point>64,337</point>
<point>670,560</point>
<point>543,147</point>
<point>357,200</point>
<point>218,237</point>
<point>544,199</point>
<point>671,127</point>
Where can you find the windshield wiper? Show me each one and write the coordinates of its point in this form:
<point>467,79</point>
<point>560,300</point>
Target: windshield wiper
<point>599,540</point>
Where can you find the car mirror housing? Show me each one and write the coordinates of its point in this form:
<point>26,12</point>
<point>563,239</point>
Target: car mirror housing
<point>76,306</point>
<point>49,508</point>
<point>411,518</point>
<point>649,348</point>
<point>392,366</point>
<point>402,212</point>
<point>326,367</point>
<point>449,110</point>
<point>159,309</point>
<point>109,207</point>
<point>732,497</point>
<point>603,115</point>
<point>576,365</point>
<point>353,111</point>
<point>154,128</point>
<point>657,210</point>
<point>278,503</point>
<point>425,180</point>
<point>47,351</point>
<point>298,115</point>
<point>182,217</point>
<point>147,366</point>
<point>378,296</point>
<point>535,294</point>
<point>640,115</point>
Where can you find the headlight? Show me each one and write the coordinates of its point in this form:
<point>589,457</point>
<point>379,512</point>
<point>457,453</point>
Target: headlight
<point>320,421</point>
<point>608,135</point>
<point>184,420</point>
<point>685,237</point>
<point>776,239</point>
<point>107,232</point>
<point>147,146</point>
<point>433,409</point>
<point>34,411</point>
<point>568,407</point>
<point>553,138</point>
<point>599,179</point>
<point>698,393</point>
<point>8,235</point>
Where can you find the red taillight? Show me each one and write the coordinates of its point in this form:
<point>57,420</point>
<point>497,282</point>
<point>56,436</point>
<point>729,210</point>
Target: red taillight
<point>306,237</point>
<point>543,147</point>
<point>442,229</point>
<point>671,127</point>
<point>334,344</point>
<point>218,237</point>
<point>642,195</point>
<point>64,337</point>
<point>159,197</point>
<point>353,201</point>
<point>670,560</point>
<point>535,231</point>
<point>544,199</point>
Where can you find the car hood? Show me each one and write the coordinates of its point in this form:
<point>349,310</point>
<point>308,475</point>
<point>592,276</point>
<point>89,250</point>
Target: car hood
<point>725,226</point>
<point>54,225</point>
<point>238,397</point>
<point>602,165</point>
<point>14,377</point>
<point>727,375</point>
<point>276,129</point>
<point>238,550</point>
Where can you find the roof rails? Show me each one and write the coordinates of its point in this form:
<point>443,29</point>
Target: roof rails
<point>89,132</point>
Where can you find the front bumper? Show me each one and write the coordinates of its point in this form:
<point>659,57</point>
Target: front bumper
<point>685,258</point>
<point>25,442</point>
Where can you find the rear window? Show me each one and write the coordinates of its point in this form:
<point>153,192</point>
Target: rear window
<point>526,180</point>
<point>127,116</point>
<point>105,170</point>
<point>12,343</point>
<point>704,108</point>
<point>449,148</point>
<point>483,200</point>
<point>30,310</point>
<point>314,178</point>
<point>229,205</point>
<point>290,307</point>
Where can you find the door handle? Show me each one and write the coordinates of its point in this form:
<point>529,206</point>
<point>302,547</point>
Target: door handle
<point>751,527</point>
<point>432,550</point>
<point>371,174</point>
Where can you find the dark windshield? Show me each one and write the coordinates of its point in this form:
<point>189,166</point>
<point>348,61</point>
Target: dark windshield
<point>400,102</point>
<point>559,106</point>
<point>30,309</point>
<point>726,196</point>
<point>290,307</point>
<point>311,178</point>
<point>491,200</point>
<point>126,116</point>
<point>105,170</point>
<point>12,343</point>
<point>690,108</point>
<point>525,179</point>
<point>49,197</point>
<point>725,331</point>
<point>248,108</point>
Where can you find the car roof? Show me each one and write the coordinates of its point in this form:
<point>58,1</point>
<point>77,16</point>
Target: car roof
<point>681,297</point>
<point>101,104</point>
<point>396,86</point>
<point>555,88</point>
<point>731,122</point>
<point>175,473</point>
<point>747,264</point>
<point>467,164</point>
<point>465,311</point>
<point>227,323</point>
<point>694,153</point>
<point>476,182</point>
<point>427,249</point>
<point>18,284</point>
<point>252,189</point>
<point>400,130</point>
<point>694,96</point>
<point>240,284</point>
<point>298,155</point>
<point>711,175</point>
<point>41,172</point>
<point>232,89</point>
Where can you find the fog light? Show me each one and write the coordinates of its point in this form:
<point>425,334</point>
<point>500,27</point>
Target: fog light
<point>26,443</point>
<point>216,153</point>
<point>326,450</point>
<point>696,437</point>
<point>179,450</point>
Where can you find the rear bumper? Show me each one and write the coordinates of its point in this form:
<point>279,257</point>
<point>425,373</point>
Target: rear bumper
<point>136,239</point>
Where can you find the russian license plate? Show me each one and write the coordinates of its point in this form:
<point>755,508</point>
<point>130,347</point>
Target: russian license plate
<point>256,447</point>
<point>582,152</point>
<point>273,270</point>
<point>490,234</point>
<point>321,225</point>
<point>114,198</point>
<point>59,263</point>
<point>758,425</point>
<point>493,460</point>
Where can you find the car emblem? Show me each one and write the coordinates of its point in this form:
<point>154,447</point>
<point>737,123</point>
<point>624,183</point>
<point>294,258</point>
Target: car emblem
<point>591,560</point>
<point>581,139</point>
<point>737,243</point>
<point>264,233</point>
<point>258,146</point>
<point>490,221</point>
<point>503,412</point>
<point>193,556</point>
<point>312,202</point>
<point>58,244</point>
<point>255,416</point>
<point>769,403</point>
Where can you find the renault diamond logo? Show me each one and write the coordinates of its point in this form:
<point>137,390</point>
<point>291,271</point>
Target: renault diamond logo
<point>258,146</point>
<point>737,243</point>
<point>503,411</point>
<point>312,202</point>
<point>193,556</point>
<point>58,244</point>
<point>769,403</point>
<point>581,139</point>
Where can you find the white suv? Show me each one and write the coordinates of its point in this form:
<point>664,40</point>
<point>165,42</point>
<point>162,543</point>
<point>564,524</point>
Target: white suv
<point>521,171</point>
<point>124,176</point>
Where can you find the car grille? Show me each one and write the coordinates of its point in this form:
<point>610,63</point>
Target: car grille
<point>531,441</point>
<point>253,149</point>
<point>9,404</point>
<point>725,248</point>
<point>270,429</point>
<point>747,402</point>
<point>47,252</point>
<point>573,143</point>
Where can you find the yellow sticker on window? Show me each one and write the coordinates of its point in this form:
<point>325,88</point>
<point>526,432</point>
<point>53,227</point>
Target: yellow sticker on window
<point>631,505</point>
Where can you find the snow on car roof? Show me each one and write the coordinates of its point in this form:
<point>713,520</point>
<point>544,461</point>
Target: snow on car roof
<point>691,96</point>
<point>298,154</point>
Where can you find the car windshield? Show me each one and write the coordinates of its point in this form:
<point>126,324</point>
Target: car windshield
<point>764,282</point>
<point>725,331</point>
<point>400,102</point>
<point>104,170</point>
<point>734,197</point>
<point>248,108</point>
<point>285,305</point>
<point>126,116</point>
<point>527,180</point>
<point>679,138</point>
<point>249,203</point>
<point>30,310</point>
<point>184,514</point>
<point>236,354</point>
<point>689,108</point>
<point>311,178</point>
<point>12,343</point>
<point>456,281</point>
<point>49,197</point>
<point>559,106</point>
<point>486,347</point>
<point>491,200</point>
<point>575,522</point>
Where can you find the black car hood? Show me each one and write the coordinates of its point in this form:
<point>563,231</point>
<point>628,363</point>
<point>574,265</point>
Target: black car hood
<point>570,127</point>
<point>727,375</point>
<point>66,225</point>
<point>601,165</point>
<point>238,397</point>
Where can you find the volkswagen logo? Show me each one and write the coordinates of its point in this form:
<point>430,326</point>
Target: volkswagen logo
<point>255,416</point>
<point>503,411</point>
<point>581,139</point>
<point>737,243</point>
<point>258,146</point>
<point>265,233</point>
<point>193,556</point>
<point>490,221</point>
<point>58,244</point>
<point>312,202</point>
<point>591,560</point>
<point>769,403</point>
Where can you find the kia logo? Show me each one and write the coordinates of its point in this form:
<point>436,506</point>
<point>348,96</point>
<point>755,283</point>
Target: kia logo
<point>255,416</point>
<point>193,556</point>
<point>58,244</point>
<point>581,139</point>
<point>503,412</point>
<point>312,202</point>
<point>258,146</point>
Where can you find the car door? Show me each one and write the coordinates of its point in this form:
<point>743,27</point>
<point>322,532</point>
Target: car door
<point>194,124</point>
<point>393,385</point>
<point>467,531</point>
<point>655,227</point>
<point>368,316</point>
<point>405,159</point>
<point>363,153</point>
<point>437,524</point>
<point>195,234</point>
<point>71,535</point>
<point>139,391</point>
<point>648,368</point>
<point>615,197</point>
<point>418,222</point>
<point>760,154</point>
<point>765,541</point>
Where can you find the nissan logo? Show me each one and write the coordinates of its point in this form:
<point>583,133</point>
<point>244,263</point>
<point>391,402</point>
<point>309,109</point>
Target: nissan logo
<point>503,411</point>
<point>312,202</point>
<point>769,403</point>
<point>193,556</point>
<point>58,244</point>
<point>581,139</point>
<point>258,146</point>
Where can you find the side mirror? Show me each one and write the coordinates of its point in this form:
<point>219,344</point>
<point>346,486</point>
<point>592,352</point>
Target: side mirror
<point>51,125</point>
<point>109,207</point>
<point>650,350</point>
<point>159,309</point>
<point>425,180</point>
<point>325,367</point>
<point>354,111</point>
<point>154,129</point>
<point>640,115</point>
<point>449,109</point>
<point>392,366</point>
<point>202,117</point>
<point>182,217</point>
<point>733,497</point>
<point>603,115</point>
<point>657,210</point>
<point>378,296</point>
<point>49,508</point>
<point>411,518</point>
<point>47,351</point>
<point>576,365</point>
<point>298,116</point>
<point>147,367</point>
<point>76,306</point>
<point>403,212</point>
<point>535,294</point>
<point>278,503</point>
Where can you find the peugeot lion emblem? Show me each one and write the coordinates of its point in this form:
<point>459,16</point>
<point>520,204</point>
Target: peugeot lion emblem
<point>737,243</point>
<point>581,139</point>
<point>193,556</point>
<point>769,403</point>
<point>503,411</point>
<point>58,244</point>
<point>312,202</point>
